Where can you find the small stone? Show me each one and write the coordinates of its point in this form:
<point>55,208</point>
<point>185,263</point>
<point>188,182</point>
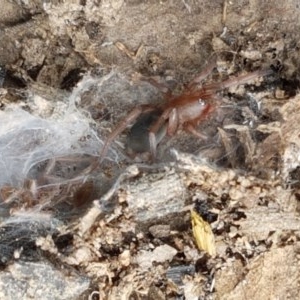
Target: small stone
<point>125,258</point>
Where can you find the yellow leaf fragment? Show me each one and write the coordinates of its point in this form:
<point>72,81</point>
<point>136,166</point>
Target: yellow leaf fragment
<point>203,234</point>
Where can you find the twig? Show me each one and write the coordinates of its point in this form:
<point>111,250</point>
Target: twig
<point>224,15</point>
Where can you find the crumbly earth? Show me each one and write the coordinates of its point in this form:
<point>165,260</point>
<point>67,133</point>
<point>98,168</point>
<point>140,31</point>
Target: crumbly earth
<point>123,231</point>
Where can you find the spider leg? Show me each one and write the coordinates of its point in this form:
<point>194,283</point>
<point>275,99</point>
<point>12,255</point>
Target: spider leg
<point>173,121</point>
<point>162,87</point>
<point>191,129</point>
<point>155,128</point>
<point>133,115</point>
<point>237,80</point>
<point>204,74</point>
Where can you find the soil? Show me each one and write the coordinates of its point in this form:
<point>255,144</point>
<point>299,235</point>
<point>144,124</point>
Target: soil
<point>124,230</point>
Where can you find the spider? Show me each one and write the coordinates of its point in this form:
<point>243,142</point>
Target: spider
<point>185,111</point>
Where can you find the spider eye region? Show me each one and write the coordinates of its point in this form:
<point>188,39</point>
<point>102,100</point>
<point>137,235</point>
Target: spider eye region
<point>201,102</point>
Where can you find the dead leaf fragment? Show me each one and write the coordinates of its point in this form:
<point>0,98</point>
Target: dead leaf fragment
<point>128,52</point>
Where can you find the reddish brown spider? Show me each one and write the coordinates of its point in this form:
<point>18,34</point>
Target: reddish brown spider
<point>184,111</point>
